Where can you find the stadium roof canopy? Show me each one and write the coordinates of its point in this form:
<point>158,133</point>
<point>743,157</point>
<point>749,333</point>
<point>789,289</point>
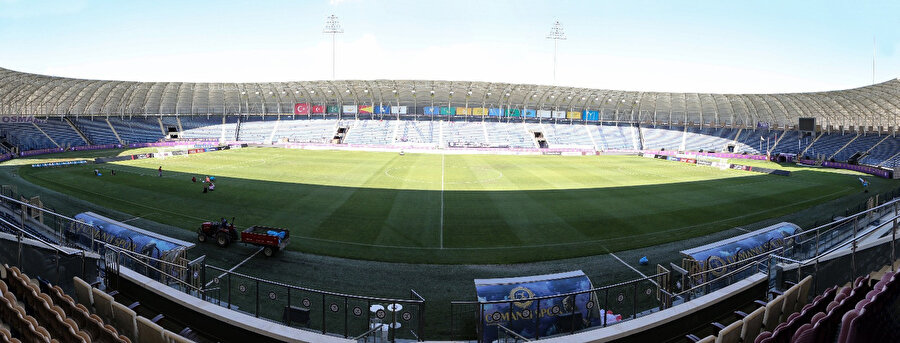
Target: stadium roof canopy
<point>33,94</point>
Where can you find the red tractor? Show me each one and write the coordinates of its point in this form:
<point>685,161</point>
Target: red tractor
<point>223,234</point>
<point>271,239</point>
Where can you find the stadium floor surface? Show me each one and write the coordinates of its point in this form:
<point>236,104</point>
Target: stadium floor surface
<point>431,208</point>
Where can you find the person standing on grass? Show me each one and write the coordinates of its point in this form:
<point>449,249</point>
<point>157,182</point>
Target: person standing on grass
<point>160,171</point>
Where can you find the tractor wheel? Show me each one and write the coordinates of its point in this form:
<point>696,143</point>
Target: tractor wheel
<point>222,239</point>
<point>201,237</point>
<point>269,251</point>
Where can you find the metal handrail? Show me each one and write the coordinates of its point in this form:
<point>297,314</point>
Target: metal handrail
<point>708,282</point>
<point>36,238</point>
<point>859,235</point>
<point>845,219</point>
<point>38,208</point>
<point>305,289</point>
<point>744,261</point>
<point>364,334</point>
<point>139,255</point>
<point>517,336</point>
<point>188,285</point>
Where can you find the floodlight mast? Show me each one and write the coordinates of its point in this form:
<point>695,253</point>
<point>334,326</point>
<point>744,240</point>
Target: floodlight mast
<point>332,26</point>
<point>556,34</point>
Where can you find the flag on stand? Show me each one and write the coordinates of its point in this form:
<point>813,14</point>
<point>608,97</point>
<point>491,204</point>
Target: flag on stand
<point>301,108</point>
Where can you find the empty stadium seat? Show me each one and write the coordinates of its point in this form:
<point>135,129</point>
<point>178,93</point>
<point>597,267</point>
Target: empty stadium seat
<point>102,304</point>
<point>149,332</point>
<point>83,293</point>
<point>125,320</point>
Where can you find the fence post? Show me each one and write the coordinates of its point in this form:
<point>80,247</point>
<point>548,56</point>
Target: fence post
<point>480,322</point>
<point>346,323</point>
<point>257,298</point>
<point>606,305</point>
<point>893,240</point>
<point>634,301</point>
<point>229,291</point>
<point>537,320</point>
<point>323,313</point>
<point>853,248</point>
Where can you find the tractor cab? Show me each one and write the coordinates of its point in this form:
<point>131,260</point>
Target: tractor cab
<point>215,230</point>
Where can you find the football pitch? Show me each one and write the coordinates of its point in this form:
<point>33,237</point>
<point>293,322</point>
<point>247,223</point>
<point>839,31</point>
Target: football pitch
<point>433,208</point>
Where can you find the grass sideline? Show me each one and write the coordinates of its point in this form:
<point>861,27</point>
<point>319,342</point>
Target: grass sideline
<point>496,209</point>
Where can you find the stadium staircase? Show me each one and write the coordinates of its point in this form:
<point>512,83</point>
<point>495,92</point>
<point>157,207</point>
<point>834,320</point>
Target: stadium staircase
<point>869,148</point>
<point>777,141</point>
<point>46,135</point>
<point>80,134</point>
<point>803,152</point>
<point>96,130</point>
<point>734,141</point>
<point>639,142</point>
<point>844,146</point>
<point>237,129</point>
<point>587,131</point>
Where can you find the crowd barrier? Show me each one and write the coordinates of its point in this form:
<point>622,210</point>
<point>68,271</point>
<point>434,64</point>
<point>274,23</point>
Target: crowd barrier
<point>40,152</point>
<point>96,147</point>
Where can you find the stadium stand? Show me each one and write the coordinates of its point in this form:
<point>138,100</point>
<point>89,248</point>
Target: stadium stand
<point>137,129</point>
<point>416,132</point>
<point>26,136</point>
<point>312,130</point>
<point>97,130</point>
<point>882,153</point>
<point>663,139</point>
<point>62,133</point>
<point>371,132</point>
<point>861,144</point>
<point>464,133</point>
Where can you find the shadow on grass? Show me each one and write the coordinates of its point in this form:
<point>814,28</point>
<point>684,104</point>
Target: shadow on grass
<point>471,227</point>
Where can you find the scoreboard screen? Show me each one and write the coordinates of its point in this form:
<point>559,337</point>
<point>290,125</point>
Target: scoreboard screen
<point>807,124</point>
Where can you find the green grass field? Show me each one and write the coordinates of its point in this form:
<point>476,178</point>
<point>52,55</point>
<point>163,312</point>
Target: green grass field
<point>428,208</point>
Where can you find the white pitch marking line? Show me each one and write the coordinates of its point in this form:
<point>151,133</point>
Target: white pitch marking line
<point>632,268</point>
<point>235,267</point>
<point>742,229</point>
<point>135,218</point>
<point>442,200</point>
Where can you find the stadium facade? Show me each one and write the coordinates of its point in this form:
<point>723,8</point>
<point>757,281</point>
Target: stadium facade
<point>874,108</point>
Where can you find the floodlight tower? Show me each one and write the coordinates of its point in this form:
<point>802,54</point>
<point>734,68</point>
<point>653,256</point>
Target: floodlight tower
<point>556,34</point>
<point>332,26</point>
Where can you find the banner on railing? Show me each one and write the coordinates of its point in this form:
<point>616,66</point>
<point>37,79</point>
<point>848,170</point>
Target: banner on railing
<point>58,164</point>
<point>125,236</point>
<point>554,315</point>
<point>716,257</point>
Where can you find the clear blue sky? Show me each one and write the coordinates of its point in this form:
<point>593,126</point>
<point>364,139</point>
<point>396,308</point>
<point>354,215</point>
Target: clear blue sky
<point>683,46</point>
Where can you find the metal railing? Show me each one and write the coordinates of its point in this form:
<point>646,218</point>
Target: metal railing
<point>807,251</point>
<point>21,233</point>
<point>840,263</point>
<point>631,299</point>
<point>322,311</point>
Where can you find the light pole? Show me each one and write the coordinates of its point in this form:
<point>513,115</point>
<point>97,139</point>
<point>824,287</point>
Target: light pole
<point>332,26</point>
<point>556,34</point>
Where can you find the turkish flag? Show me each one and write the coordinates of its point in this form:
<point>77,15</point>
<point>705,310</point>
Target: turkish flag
<point>301,108</point>
<point>318,109</point>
